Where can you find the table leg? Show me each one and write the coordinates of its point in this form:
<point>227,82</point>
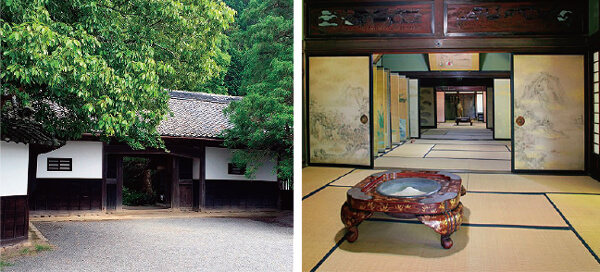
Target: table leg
<point>351,218</point>
<point>444,224</point>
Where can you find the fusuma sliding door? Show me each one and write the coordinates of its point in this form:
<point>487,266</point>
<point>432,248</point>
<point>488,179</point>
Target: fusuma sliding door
<point>339,113</point>
<point>502,110</point>
<point>413,108</point>
<point>548,119</point>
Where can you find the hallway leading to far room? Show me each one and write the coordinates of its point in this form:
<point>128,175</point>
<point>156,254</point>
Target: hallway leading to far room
<point>451,147</point>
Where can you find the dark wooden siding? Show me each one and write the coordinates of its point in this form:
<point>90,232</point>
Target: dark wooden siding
<point>67,194</point>
<point>186,194</point>
<point>246,195</point>
<point>15,219</point>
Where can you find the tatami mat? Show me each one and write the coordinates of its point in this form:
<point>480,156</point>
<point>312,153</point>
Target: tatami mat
<point>505,209</point>
<point>452,125</point>
<point>314,178</point>
<point>469,155</point>
<point>510,209</point>
<point>459,142</point>
<point>471,147</point>
<point>321,224</point>
<point>583,212</point>
<point>502,232</point>
<point>409,150</point>
<point>355,177</point>
<point>463,137</point>
<point>434,131</point>
<point>532,183</point>
<point>385,246</point>
<point>386,162</point>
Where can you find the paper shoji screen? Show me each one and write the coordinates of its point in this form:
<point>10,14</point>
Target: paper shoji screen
<point>596,105</point>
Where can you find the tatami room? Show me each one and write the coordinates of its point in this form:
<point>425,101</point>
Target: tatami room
<point>486,111</point>
<point>538,221</point>
<point>511,223</point>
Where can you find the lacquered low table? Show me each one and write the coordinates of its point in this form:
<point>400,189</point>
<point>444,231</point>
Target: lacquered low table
<point>433,197</point>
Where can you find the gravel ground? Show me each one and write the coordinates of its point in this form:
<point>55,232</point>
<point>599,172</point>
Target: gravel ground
<point>170,244</point>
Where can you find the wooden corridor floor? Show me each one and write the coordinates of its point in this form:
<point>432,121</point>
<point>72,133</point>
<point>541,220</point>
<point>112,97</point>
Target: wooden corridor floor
<point>511,223</point>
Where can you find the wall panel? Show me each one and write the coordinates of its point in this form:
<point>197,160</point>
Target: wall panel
<point>387,110</point>
<point>14,215</point>
<point>233,194</point>
<point>441,109</point>
<point>427,107</point>
<point>403,108</point>
<point>339,110</point>
<point>218,159</point>
<point>513,18</point>
<point>502,109</point>
<point>379,109</point>
<point>395,114</point>
<point>14,162</point>
<point>549,112</point>
<point>66,194</point>
<point>370,19</point>
<point>490,107</point>
<point>86,157</point>
<point>413,104</point>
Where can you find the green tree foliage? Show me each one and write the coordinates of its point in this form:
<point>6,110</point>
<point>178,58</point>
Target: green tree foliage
<point>103,66</point>
<point>263,119</point>
<point>237,37</point>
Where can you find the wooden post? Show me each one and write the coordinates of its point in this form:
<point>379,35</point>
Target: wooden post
<point>32,175</point>
<point>104,169</point>
<point>119,183</point>
<point>202,186</point>
<point>175,183</point>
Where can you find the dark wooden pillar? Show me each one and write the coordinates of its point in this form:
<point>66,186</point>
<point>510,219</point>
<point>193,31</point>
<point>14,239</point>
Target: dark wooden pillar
<point>32,176</point>
<point>202,186</point>
<point>119,188</point>
<point>175,183</point>
<point>104,169</point>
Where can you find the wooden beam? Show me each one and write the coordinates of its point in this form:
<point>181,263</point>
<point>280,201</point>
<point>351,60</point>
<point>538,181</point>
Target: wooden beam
<point>182,149</point>
<point>388,45</point>
<point>457,74</point>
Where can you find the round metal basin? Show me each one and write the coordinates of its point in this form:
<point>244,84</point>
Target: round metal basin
<point>409,187</point>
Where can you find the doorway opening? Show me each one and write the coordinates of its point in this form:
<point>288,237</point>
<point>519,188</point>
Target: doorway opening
<point>145,183</point>
<point>450,117</point>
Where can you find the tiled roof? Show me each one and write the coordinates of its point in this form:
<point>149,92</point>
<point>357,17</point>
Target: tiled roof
<point>197,115</point>
<point>19,126</point>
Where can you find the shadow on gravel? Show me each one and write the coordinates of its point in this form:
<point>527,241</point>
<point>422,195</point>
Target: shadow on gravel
<point>285,219</point>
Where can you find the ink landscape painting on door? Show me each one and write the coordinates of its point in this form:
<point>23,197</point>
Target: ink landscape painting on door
<point>549,112</point>
<point>339,110</point>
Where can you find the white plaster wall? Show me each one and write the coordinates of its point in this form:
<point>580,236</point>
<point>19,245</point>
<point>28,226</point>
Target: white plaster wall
<point>14,162</point>
<point>216,166</point>
<point>87,161</point>
<point>196,169</point>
